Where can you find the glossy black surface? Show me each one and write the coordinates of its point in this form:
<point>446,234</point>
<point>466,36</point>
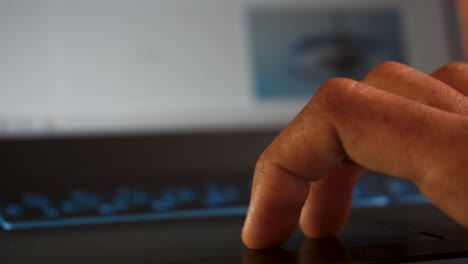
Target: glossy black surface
<point>385,235</point>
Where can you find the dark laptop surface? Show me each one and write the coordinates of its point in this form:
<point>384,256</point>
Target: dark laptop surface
<point>189,216</point>
<point>428,235</point>
<point>129,129</point>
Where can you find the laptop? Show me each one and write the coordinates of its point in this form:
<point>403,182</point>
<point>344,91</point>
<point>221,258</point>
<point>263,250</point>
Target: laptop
<point>129,129</point>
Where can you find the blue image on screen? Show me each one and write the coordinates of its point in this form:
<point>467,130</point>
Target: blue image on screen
<point>294,51</point>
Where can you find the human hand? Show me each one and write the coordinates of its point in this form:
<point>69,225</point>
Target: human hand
<point>397,121</point>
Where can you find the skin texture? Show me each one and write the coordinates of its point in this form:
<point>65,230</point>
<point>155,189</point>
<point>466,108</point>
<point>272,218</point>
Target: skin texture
<point>397,121</point>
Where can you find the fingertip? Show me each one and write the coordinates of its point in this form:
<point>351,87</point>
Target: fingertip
<point>452,68</point>
<point>319,231</point>
<point>246,237</point>
<point>257,236</point>
<point>263,235</point>
<point>328,204</point>
<point>254,241</point>
<point>250,243</point>
<point>318,224</point>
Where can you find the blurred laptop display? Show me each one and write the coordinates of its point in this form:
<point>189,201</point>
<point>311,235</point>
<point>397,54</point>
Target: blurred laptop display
<point>106,91</point>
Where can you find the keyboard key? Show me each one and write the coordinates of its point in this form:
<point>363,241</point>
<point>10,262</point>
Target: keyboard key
<point>68,207</point>
<point>14,210</point>
<point>106,209</point>
<point>35,200</point>
<point>85,199</point>
<point>50,212</point>
<point>140,198</point>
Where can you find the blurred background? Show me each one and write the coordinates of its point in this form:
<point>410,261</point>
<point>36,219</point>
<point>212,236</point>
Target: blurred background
<point>463,13</point>
<point>117,111</point>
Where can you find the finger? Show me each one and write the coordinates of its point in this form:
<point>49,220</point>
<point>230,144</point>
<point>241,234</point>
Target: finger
<point>281,178</point>
<point>455,75</point>
<point>375,128</point>
<point>408,82</point>
<point>328,204</point>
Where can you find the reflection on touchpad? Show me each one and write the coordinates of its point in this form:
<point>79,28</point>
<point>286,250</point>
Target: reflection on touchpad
<point>365,233</point>
<point>361,242</point>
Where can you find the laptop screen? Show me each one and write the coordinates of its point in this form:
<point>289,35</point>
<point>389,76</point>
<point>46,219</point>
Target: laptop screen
<point>87,67</point>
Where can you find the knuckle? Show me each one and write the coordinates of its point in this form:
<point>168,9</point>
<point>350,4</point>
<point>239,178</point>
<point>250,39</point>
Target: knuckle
<point>263,165</point>
<point>260,164</point>
<point>335,87</point>
<point>388,68</point>
<point>453,67</point>
<point>338,92</point>
<point>390,65</point>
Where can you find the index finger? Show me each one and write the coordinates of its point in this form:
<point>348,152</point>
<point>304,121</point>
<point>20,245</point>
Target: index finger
<point>376,129</point>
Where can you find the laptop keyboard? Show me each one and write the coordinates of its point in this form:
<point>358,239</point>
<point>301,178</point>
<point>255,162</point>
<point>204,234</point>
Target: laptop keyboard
<point>124,204</point>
